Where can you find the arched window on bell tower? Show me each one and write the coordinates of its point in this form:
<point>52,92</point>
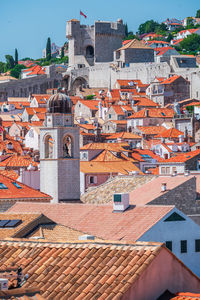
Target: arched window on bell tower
<point>48,144</point>
<point>67,146</point>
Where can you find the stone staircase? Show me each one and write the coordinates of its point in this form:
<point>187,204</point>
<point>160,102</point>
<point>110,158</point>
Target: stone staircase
<point>119,184</point>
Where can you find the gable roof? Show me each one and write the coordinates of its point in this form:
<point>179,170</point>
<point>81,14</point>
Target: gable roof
<point>182,157</point>
<point>151,130</point>
<point>135,44</point>
<point>18,161</point>
<point>172,79</point>
<point>153,113</point>
<point>129,225</point>
<point>108,166</point>
<point>83,270</point>
<point>170,133</point>
<point>116,147</point>
<point>124,135</point>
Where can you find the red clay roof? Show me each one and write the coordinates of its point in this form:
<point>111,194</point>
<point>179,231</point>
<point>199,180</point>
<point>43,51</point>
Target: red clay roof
<point>129,225</point>
<point>171,79</point>
<point>10,191</point>
<point>84,270</point>
<point>170,133</point>
<point>144,101</point>
<point>153,113</point>
<point>151,130</point>
<point>124,135</point>
<point>18,161</point>
<point>186,296</point>
<point>92,104</point>
<point>182,157</point>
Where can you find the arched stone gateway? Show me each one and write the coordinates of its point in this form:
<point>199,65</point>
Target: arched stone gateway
<point>79,83</point>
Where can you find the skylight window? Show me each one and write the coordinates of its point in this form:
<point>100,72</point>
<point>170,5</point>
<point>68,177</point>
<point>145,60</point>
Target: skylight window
<point>162,113</point>
<point>17,185</point>
<point>2,186</point>
<point>9,223</point>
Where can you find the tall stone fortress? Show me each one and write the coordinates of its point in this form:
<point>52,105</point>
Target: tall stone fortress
<point>97,59</point>
<point>93,44</point>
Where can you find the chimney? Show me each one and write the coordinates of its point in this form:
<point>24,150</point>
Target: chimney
<point>163,187</point>
<point>120,202</point>
<point>146,112</point>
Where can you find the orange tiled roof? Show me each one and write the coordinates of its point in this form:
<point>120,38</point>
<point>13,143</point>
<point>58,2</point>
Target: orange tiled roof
<point>183,157</point>
<point>106,155</point>
<point>116,147</point>
<point>153,113</point>
<point>87,126</point>
<point>138,155</point>
<point>170,133</point>
<point>18,161</point>
<point>81,270</point>
<point>118,110</point>
<point>151,130</point>
<point>186,296</point>
<point>16,146</point>
<point>109,167</point>
<point>144,101</point>
<point>171,79</point>
<point>124,135</point>
<point>24,193</point>
<point>92,104</point>
<point>134,44</point>
<point>10,173</point>
<point>125,82</point>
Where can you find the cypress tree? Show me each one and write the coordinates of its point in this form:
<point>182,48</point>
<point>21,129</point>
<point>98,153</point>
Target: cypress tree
<point>126,30</point>
<point>62,52</point>
<point>48,49</point>
<point>16,57</point>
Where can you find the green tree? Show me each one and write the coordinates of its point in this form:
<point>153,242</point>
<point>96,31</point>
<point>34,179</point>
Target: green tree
<point>148,26</point>
<point>169,37</point>
<point>16,56</point>
<point>16,71</point>
<point>191,43</point>
<point>2,67</point>
<point>48,49</point>
<point>126,30</point>
<point>198,13</point>
<point>10,63</point>
<point>62,52</point>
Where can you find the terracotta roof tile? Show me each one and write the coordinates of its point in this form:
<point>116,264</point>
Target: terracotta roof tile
<point>182,157</point>
<point>153,113</point>
<point>14,190</point>
<point>117,226</point>
<point>170,133</point>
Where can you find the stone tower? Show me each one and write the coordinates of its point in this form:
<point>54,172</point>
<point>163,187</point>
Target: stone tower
<point>60,151</point>
<point>93,44</point>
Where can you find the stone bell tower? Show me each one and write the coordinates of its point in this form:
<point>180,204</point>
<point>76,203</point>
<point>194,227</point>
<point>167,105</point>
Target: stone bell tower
<point>60,151</point>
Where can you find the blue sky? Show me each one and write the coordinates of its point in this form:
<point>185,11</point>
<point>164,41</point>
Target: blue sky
<point>26,24</point>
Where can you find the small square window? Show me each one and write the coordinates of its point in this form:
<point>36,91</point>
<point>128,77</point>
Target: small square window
<point>184,246</point>
<point>197,245</point>
<point>169,245</point>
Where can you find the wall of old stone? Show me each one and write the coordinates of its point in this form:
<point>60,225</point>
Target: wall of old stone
<point>37,85</point>
<point>108,38</point>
